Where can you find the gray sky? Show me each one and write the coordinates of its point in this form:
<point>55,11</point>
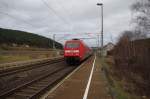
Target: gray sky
<point>74,17</point>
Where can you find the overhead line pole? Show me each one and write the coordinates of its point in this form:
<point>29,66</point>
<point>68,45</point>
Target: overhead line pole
<point>54,41</point>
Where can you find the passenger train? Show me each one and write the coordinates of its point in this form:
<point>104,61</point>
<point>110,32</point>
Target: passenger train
<point>75,51</point>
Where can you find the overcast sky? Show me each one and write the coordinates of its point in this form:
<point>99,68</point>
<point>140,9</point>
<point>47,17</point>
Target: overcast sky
<point>73,18</point>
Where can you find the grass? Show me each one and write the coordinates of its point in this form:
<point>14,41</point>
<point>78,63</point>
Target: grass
<point>12,58</point>
<point>119,92</point>
<point>7,55</point>
<point>115,86</point>
<point>16,58</point>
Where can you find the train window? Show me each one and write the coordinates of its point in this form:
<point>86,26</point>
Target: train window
<point>72,45</point>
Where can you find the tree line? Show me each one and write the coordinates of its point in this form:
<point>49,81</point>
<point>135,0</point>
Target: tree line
<point>132,51</point>
<point>9,37</point>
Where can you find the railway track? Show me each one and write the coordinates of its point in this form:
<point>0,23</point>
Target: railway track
<point>27,67</point>
<point>17,77</point>
<point>34,88</point>
<point>32,82</point>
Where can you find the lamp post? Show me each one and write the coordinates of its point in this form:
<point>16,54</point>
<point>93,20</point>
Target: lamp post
<point>101,4</point>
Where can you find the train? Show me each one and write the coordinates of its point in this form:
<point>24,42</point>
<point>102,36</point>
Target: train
<point>75,51</point>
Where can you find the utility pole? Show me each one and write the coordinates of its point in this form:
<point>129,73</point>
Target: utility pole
<point>54,41</point>
<point>98,39</point>
<point>54,48</point>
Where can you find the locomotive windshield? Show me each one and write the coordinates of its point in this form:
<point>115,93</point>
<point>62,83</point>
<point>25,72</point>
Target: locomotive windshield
<point>72,45</point>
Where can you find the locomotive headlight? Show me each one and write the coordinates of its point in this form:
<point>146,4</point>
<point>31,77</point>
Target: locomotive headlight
<point>71,51</point>
<point>67,51</point>
<point>76,51</point>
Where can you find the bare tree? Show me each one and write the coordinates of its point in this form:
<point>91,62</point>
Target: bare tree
<point>141,9</point>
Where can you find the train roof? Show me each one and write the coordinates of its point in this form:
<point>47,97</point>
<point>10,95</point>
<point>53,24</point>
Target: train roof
<point>77,40</point>
<point>74,40</point>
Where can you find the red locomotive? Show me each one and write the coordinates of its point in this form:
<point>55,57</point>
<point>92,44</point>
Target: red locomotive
<point>76,51</point>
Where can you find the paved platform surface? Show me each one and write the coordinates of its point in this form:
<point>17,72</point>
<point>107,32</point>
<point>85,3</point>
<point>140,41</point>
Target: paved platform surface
<point>74,87</point>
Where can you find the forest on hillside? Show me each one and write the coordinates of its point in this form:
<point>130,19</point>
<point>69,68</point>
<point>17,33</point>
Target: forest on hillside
<point>9,37</point>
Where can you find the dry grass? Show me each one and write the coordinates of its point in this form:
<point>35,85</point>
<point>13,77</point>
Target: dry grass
<point>15,58</point>
<point>121,87</point>
<point>12,58</point>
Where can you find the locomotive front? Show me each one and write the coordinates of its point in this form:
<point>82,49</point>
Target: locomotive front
<point>72,51</point>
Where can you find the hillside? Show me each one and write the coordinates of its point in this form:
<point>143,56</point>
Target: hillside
<point>9,37</point>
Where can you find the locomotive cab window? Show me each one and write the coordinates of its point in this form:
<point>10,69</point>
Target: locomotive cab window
<point>72,45</point>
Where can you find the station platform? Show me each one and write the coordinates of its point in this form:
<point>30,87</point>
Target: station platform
<point>87,82</point>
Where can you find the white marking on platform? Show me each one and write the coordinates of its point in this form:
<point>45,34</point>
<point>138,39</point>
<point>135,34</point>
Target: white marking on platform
<point>89,81</point>
<point>53,89</point>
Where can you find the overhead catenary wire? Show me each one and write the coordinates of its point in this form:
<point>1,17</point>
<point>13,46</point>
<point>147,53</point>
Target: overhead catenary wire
<point>13,17</point>
<point>69,15</point>
<point>66,35</point>
<point>28,23</point>
<point>23,21</point>
<point>63,37</point>
<point>54,12</point>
